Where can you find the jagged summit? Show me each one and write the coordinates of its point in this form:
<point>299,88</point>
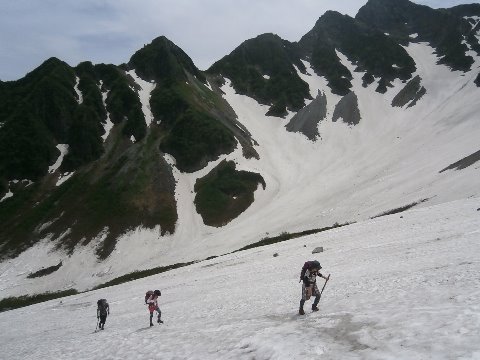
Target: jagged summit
<point>407,22</point>
<point>264,68</point>
<point>163,61</point>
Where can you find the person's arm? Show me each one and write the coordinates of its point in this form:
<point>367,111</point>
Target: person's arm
<point>98,313</point>
<point>323,276</point>
<point>108,309</point>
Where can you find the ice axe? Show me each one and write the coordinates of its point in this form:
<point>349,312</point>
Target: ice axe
<point>326,280</point>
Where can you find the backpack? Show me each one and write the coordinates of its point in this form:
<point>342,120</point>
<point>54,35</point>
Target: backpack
<point>148,294</point>
<point>304,269</point>
<point>308,265</point>
<point>102,306</point>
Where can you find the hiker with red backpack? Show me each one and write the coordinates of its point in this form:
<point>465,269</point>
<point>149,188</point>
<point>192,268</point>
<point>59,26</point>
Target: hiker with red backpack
<point>151,299</point>
<point>310,271</point>
<point>103,309</point>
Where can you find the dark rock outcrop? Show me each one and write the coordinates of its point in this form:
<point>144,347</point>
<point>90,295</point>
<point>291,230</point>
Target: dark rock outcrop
<point>410,94</point>
<point>347,109</point>
<point>307,119</point>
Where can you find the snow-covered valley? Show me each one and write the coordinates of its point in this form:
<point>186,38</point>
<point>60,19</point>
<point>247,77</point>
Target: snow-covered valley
<point>404,286</point>
<point>391,159</point>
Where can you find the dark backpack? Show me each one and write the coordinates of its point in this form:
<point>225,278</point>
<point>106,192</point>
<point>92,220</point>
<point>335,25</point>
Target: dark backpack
<point>304,269</point>
<point>102,306</point>
<point>309,265</point>
<point>148,294</point>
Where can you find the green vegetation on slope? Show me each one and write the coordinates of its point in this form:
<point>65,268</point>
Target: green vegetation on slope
<point>266,55</point>
<point>225,193</point>
<point>192,118</point>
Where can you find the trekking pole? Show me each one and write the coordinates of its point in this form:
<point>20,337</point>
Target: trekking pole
<point>328,278</point>
<point>98,322</point>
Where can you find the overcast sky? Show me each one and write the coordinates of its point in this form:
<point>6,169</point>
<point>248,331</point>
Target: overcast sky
<point>110,31</point>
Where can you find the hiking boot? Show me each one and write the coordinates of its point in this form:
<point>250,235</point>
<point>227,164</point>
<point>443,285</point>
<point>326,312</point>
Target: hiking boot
<point>151,324</point>
<point>160,321</point>
<point>301,312</point>
<point>314,308</point>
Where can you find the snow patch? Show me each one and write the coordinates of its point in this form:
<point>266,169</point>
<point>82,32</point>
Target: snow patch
<point>144,94</point>
<point>63,151</point>
<point>77,90</point>
<point>413,36</point>
<point>9,194</point>
<point>266,77</point>
<point>209,86</point>
<point>108,125</point>
<point>132,139</point>
<point>64,177</point>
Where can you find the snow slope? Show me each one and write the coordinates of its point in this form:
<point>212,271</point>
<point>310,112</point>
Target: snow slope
<point>392,158</point>
<point>404,286</point>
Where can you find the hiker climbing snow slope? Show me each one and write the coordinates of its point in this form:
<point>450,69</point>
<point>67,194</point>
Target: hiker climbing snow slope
<point>308,275</point>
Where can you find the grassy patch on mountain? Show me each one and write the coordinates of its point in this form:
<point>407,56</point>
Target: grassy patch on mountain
<point>45,271</point>
<point>225,193</point>
<point>11,303</point>
<point>191,119</point>
<point>36,113</point>
<point>135,275</point>
<point>134,188</point>
<point>266,55</point>
<point>285,236</point>
<point>122,102</point>
<point>196,138</point>
<point>400,209</point>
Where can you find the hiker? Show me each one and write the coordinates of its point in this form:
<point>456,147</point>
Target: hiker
<point>152,302</point>
<point>310,271</point>
<point>103,309</point>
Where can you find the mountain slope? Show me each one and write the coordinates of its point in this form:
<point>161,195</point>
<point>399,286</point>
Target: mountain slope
<point>112,176</point>
<point>377,147</point>
<point>403,286</point>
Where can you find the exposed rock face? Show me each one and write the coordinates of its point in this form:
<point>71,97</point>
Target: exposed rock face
<point>307,119</point>
<point>347,109</point>
<point>410,94</point>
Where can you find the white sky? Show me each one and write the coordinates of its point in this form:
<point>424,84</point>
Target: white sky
<point>111,31</point>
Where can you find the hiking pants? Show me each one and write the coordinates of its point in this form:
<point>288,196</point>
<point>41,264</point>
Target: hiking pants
<point>314,292</point>
<point>152,309</point>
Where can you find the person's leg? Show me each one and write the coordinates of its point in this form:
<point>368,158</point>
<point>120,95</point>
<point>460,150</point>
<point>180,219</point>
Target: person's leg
<point>159,317</point>
<point>103,319</point>
<point>302,301</point>
<point>151,318</point>
<point>317,298</point>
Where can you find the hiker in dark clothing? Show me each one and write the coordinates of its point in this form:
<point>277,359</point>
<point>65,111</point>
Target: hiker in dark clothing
<point>310,271</point>
<point>103,309</point>
<point>152,302</point>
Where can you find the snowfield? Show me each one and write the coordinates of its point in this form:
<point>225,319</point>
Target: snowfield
<point>404,286</point>
<point>391,159</point>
